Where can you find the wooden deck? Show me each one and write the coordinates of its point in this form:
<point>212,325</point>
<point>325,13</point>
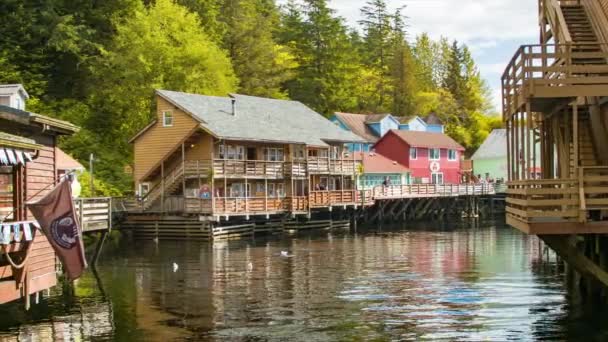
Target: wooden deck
<point>560,206</point>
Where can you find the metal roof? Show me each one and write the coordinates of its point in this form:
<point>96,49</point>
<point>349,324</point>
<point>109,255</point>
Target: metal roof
<point>495,146</point>
<point>259,119</point>
<point>357,124</point>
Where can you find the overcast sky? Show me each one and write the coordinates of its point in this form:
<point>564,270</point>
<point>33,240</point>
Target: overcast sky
<point>493,29</point>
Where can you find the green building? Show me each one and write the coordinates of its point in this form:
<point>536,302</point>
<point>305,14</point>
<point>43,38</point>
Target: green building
<point>490,159</point>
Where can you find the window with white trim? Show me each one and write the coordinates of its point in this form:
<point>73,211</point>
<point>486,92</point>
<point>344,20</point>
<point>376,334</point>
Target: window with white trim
<point>7,193</point>
<point>434,154</point>
<point>452,155</point>
<point>273,154</point>
<point>413,153</point>
<point>437,178</point>
<point>276,190</point>
<point>167,118</point>
<point>238,190</point>
<point>234,152</point>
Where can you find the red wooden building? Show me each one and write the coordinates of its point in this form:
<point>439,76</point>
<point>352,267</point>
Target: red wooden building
<point>431,157</point>
<point>27,172</point>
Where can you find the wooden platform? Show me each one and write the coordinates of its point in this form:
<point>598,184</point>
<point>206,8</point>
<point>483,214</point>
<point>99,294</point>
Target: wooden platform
<point>558,227</point>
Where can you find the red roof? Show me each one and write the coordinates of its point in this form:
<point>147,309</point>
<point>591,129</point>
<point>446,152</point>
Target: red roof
<point>427,139</point>
<point>65,161</point>
<point>376,163</point>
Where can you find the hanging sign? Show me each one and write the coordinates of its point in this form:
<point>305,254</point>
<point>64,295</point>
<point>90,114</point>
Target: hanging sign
<point>205,192</point>
<point>435,166</point>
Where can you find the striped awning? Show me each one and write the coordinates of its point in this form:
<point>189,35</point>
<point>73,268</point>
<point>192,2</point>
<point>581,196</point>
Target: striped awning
<point>17,231</point>
<point>11,156</point>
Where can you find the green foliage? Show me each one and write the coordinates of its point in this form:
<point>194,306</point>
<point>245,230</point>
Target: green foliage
<point>97,64</point>
<point>102,189</point>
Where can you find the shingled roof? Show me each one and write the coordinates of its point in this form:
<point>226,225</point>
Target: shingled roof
<point>377,163</point>
<point>428,139</point>
<point>495,146</point>
<point>259,119</point>
<point>357,124</point>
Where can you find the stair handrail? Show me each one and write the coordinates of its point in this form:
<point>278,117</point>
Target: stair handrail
<point>557,21</point>
<point>598,17</point>
<point>169,179</point>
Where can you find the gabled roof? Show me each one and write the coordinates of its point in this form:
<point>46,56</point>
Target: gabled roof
<point>357,124</point>
<point>375,118</point>
<point>495,146</point>
<point>433,119</point>
<point>29,118</point>
<point>404,120</point>
<point>65,162</point>
<point>259,119</point>
<point>10,89</point>
<point>427,139</point>
<point>377,163</point>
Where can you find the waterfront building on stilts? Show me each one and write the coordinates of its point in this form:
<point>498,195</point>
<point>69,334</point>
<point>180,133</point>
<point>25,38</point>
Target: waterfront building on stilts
<point>240,157</point>
<point>554,103</point>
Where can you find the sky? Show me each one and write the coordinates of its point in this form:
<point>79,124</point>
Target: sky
<point>493,29</point>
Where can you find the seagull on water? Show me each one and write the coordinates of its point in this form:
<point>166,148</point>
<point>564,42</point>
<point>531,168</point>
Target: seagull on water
<point>175,267</point>
<point>284,253</point>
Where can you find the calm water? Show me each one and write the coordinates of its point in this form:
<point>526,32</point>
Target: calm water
<point>418,283</point>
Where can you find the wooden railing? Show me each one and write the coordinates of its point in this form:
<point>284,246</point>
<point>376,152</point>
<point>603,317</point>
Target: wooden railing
<point>551,11</point>
<point>242,205</point>
<point>332,197</point>
<point>250,168</point>
<point>295,169</point>
<point>94,214</point>
<point>431,190</point>
<point>543,200</point>
<point>551,67</point>
<point>593,189</point>
<point>298,203</point>
<point>324,165</point>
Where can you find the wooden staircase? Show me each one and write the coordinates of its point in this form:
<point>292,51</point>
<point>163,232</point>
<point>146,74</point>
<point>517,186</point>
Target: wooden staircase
<point>170,184</point>
<point>582,33</point>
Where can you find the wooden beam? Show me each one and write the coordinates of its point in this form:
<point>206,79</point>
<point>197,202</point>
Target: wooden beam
<point>565,247</point>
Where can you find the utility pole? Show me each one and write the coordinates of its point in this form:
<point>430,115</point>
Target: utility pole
<point>91,184</point>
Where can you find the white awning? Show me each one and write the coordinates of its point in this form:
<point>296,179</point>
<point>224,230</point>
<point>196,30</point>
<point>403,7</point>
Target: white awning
<point>10,156</point>
<point>17,231</point>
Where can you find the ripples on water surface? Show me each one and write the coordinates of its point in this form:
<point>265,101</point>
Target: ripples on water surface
<point>422,283</point>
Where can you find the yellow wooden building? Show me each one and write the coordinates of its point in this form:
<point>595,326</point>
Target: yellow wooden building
<point>241,156</point>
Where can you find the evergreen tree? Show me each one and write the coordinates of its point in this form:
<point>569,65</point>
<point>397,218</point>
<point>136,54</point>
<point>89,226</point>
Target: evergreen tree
<point>402,69</point>
<point>325,76</point>
<point>379,51</point>
<point>250,41</point>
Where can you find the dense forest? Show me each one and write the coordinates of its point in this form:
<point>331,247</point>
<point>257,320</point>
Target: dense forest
<point>96,64</point>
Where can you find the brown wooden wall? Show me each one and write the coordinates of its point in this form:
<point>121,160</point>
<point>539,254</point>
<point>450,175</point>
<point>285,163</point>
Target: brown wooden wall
<point>156,142</point>
<point>39,180</point>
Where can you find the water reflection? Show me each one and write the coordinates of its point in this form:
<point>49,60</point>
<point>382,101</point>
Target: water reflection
<point>464,283</point>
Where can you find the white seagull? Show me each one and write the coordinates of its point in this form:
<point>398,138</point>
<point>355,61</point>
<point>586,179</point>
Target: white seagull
<point>175,267</point>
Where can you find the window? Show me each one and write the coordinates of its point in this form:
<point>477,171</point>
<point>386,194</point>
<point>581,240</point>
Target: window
<point>234,152</point>
<point>434,154</point>
<point>452,155</point>
<point>167,119</point>
<point>7,193</point>
<point>437,178</point>
<point>276,190</point>
<point>238,190</point>
<point>144,188</point>
<point>299,152</point>
<point>334,152</point>
<point>273,154</point>
<point>18,103</point>
<point>413,153</point>
<point>259,188</point>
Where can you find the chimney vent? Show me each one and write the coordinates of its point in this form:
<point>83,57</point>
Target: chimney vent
<point>233,106</point>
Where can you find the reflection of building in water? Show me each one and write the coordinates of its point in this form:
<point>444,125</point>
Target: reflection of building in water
<point>92,322</point>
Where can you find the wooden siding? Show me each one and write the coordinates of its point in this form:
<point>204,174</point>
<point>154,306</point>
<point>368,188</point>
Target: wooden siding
<point>155,143</point>
<point>39,180</point>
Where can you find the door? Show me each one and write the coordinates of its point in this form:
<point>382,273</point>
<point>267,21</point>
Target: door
<point>251,153</point>
<point>437,178</point>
